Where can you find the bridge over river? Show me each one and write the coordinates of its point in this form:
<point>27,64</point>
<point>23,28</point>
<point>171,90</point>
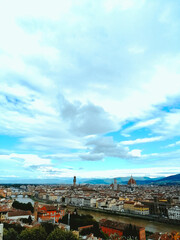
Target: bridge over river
<point>21,193</point>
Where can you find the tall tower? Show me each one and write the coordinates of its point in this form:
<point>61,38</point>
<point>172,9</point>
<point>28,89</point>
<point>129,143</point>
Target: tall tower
<point>74,181</point>
<point>36,211</point>
<point>115,184</point>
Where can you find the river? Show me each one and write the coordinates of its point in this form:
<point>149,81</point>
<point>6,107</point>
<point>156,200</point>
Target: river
<point>150,226</point>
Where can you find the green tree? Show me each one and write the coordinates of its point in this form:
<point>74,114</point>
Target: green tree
<point>59,234</point>
<point>77,220</point>
<point>17,227</point>
<point>131,231</point>
<point>70,236</point>
<point>49,227</point>
<point>23,206</point>
<point>10,234</point>
<point>33,234</point>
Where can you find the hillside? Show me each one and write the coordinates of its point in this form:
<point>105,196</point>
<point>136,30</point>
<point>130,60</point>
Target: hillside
<point>173,179</point>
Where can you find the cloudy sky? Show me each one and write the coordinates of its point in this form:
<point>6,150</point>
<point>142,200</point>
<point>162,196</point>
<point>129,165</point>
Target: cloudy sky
<point>89,88</point>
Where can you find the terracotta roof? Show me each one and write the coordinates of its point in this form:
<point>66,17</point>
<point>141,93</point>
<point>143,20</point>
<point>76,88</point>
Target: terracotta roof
<point>84,227</point>
<point>131,181</point>
<point>49,208</point>
<point>19,213</point>
<point>114,225</point>
<point>5,209</point>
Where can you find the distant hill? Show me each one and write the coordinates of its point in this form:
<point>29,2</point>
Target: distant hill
<point>173,179</point>
<point>120,180</point>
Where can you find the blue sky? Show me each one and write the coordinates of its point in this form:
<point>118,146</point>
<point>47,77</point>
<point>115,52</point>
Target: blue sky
<point>89,88</point>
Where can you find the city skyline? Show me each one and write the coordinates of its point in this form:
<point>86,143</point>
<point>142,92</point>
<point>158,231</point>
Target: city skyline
<point>89,89</point>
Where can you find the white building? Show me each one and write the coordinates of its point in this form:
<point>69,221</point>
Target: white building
<point>89,202</point>
<point>16,215</point>
<point>77,201</point>
<point>174,213</point>
<point>67,199</point>
<point>1,231</point>
<point>117,207</point>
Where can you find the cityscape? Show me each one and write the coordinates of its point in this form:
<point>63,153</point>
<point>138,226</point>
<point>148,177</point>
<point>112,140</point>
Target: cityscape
<point>90,120</point>
<point>114,207</point>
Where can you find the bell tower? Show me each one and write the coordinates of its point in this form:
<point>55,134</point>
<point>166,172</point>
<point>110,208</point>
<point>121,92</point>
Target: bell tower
<point>74,181</point>
<point>36,211</point>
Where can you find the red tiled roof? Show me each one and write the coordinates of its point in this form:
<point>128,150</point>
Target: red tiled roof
<point>84,227</point>
<point>19,213</point>
<point>114,225</point>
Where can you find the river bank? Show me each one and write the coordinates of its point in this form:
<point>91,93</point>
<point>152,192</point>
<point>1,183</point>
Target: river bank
<point>138,216</point>
<point>149,225</point>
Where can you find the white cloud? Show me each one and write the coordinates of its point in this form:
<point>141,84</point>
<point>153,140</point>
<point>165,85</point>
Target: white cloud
<point>142,140</point>
<point>169,125</point>
<point>106,147</point>
<point>142,124</point>
<point>111,173</point>
<point>9,176</point>
<point>174,144</point>
<point>65,75</point>
<point>135,153</point>
<point>27,160</point>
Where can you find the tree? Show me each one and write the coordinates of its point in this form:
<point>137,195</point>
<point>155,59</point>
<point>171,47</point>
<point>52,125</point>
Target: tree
<point>33,234</point>
<point>23,206</point>
<point>115,236</point>
<point>17,227</point>
<point>27,220</point>
<point>77,220</point>
<point>59,234</point>
<point>49,227</point>
<point>9,234</point>
<point>131,232</point>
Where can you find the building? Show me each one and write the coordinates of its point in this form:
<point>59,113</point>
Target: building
<point>115,185</point>
<point>48,213</point>
<point>129,206</point>
<point>164,236</point>
<point>19,214</point>
<point>89,202</point>
<point>131,182</point>
<point>77,201</point>
<point>3,193</point>
<point>1,231</point>
<point>174,213</point>
<point>4,213</point>
<point>141,209</point>
<point>158,206</point>
<point>36,211</point>
<point>136,207</point>
<point>111,227</point>
<point>65,227</point>
<point>74,181</point>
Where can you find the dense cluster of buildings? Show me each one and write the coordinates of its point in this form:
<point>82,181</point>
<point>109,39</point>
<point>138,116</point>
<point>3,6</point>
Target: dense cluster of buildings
<point>151,200</point>
<point>146,200</point>
<point>130,199</point>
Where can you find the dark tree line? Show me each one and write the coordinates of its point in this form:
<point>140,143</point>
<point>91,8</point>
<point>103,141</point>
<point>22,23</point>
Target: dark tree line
<point>131,231</point>
<point>46,231</point>
<point>77,221</point>
<point>23,206</point>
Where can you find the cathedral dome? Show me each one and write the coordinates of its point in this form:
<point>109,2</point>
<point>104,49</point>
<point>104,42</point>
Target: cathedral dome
<point>131,181</point>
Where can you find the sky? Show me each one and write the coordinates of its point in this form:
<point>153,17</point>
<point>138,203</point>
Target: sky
<point>89,88</point>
